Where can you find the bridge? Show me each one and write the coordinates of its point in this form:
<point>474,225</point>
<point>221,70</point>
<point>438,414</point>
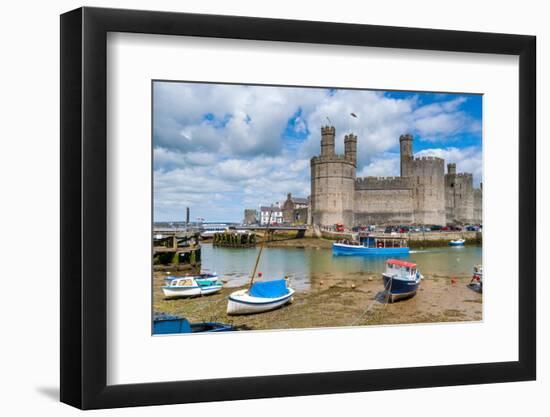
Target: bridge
<point>271,227</point>
<point>300,229</point>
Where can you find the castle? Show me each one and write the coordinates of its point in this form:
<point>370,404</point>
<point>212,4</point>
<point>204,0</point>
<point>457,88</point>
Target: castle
<point>422,194</point>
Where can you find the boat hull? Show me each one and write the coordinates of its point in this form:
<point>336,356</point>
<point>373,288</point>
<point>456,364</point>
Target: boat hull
<point>211,289</point>
<point>174,292</point>
<point>343,249</point>
<point>400,288</point>
<point>241,303</point>
<point>179,325</point>
<point>456,243</point>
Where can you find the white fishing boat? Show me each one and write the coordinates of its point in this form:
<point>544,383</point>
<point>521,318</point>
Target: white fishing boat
<point>457,242</point>
<point>260,297</point>
<point>190,287</point>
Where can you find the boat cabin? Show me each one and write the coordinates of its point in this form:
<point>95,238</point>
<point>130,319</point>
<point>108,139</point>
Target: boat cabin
<point>401,269</point>
<point>383,242</point>
<point>182,282</point>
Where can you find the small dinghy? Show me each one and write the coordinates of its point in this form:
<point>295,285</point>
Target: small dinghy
<point>261,296</point>
<point>168,324</point>
<point>190,287</point>
<point>457,242</point>
<point>401,279</point>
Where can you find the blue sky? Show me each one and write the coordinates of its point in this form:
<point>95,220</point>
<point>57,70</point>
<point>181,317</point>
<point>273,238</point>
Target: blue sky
<point>221,148</point>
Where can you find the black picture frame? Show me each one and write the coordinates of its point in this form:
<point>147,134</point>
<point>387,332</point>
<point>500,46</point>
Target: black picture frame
<point>84,207</point>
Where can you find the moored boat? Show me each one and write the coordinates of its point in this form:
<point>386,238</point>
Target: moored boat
<point>261,296</point>
<point>168,324</point>
<point>457,242</point>
<point>205,276</point>
<point>188,286</point>
<point>401,279</point>
<point>372,245</point>
<point>476,283</point>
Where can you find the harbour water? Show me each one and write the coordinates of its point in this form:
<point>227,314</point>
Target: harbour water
<point>305,265</point>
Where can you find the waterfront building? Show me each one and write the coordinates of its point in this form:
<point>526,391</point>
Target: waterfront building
<point>423,194</point>
<point>274,210</point>
<point>250,216</point>
<point>295,210</point>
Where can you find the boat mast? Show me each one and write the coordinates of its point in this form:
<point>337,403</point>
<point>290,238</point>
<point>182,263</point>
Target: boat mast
<point>261,249</point>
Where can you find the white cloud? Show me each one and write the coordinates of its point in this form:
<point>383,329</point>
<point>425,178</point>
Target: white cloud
<point>387,165</point>
<point>225,143</point>
<point>466,159</point>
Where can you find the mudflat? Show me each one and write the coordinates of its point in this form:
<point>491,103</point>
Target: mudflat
<point>334,301</point>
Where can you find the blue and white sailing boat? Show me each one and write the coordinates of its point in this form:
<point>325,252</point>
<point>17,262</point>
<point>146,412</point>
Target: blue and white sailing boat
<point>401,279</point>
<point>260,296</point>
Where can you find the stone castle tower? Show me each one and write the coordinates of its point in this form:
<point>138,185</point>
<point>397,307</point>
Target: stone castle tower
<point>333,180</point>
<point>459,195</point>
<point>422,194</point>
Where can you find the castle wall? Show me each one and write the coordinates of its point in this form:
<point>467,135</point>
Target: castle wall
<point>332,190</point>
<point>459,198</point>
<point>383,201</point>
<point>423,194</point>
<point>478,205</point>
<point>428,182</point>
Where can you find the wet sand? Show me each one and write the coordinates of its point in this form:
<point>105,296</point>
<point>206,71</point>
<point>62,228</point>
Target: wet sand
<point>334,301</point>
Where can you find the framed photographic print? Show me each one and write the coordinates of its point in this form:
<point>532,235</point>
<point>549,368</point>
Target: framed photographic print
<point>257,208</point>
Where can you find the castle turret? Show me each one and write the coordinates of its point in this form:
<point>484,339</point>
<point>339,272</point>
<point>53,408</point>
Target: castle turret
<point>451,169</point>
<point>406,150</point>
<point>350,148</point>
<point>333,181</point>
<point>327,140</point>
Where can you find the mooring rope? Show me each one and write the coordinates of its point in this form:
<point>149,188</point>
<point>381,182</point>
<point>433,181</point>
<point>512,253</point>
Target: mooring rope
<point>386,287</point>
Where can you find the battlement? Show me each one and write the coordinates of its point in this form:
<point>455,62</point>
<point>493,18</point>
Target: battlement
<point>429,158</point>
<point>383,183</point>
<point>328,130</point>
<point>464,175</point>
<point>350,137</point>
<point>407,136</point>
<point>321,159</point>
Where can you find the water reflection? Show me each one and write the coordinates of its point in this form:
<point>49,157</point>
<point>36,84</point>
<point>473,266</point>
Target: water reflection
<point>307,265</point>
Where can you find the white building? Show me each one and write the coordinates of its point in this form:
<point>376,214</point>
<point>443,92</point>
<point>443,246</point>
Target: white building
<point>276,212</point>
